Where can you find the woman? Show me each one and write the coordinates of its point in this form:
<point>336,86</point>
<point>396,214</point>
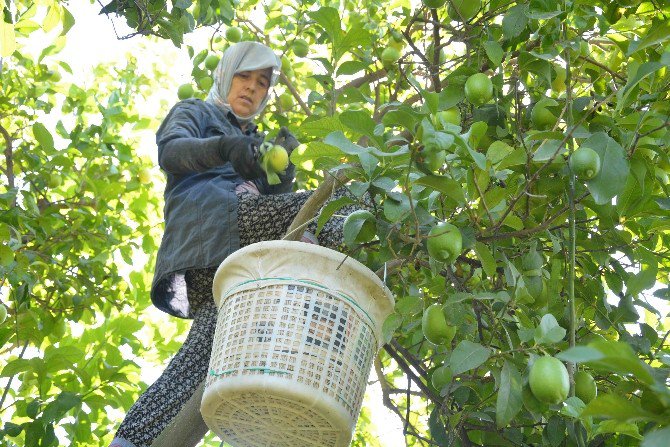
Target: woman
<point>216,200</point>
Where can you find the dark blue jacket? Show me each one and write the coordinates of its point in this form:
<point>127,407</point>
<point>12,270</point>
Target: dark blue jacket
<point>200,208</point>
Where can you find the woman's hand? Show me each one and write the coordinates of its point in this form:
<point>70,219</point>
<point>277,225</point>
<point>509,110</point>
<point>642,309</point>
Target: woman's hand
<point>242,152</point>
<point>286,140</point>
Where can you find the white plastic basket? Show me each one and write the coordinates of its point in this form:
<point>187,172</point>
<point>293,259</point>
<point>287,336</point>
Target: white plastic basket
<point>298,327</point>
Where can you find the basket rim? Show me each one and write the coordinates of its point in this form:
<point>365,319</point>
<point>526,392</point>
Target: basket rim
<point>300,252</point>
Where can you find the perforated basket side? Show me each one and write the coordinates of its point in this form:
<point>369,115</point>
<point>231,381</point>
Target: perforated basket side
<point>297,331</point>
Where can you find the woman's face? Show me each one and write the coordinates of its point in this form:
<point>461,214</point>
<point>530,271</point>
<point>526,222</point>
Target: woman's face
<point>247,91</point>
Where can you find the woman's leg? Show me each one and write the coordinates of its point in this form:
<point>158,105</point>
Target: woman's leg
<point>267,217</point>
<point>158,407</point>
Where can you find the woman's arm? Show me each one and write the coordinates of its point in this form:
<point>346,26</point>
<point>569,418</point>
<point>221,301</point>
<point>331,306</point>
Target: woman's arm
<point>182,150</point>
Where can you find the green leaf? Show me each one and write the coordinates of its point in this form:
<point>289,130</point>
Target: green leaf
<point>438,432</point>
<point>320,127</point>
<point>509,401</point>
<point>515,21</point>
<point>488,261</point>
<point>355,37</point>
<point>656,438</point>
<point>494,52</point>
<point>351,67</point>
<point>359,121</point>
<point>329,19</point>
<point>353,228</point>
<point>330,209</point>
<point>16,366</point>
<point>445,185</point>
<point>643,71</point>
<point>339,140</point>
<point>7,39</point>
<point>614,406</point>
<point>549,331</point>
<point>614,168</point>
<point>6,255</point>
<point>468,355</point>
<point>580,354</point>
<point>573,407</point>
<point>658,33</point>
<point>68,21</point>
<point>643,280</point>
<point>53,17</point>
<point>61,405</point>
<point>391,324</point>
<point>618,357</point>
<point>43,137</point>
<point>612,426</point>
<point>401,117</point>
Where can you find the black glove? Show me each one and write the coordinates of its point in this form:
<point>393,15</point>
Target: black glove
<point>242,152</point>
<point>286,140</point>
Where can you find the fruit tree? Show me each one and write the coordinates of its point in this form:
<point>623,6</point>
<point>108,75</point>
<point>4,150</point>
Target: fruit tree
<point>561,267</point>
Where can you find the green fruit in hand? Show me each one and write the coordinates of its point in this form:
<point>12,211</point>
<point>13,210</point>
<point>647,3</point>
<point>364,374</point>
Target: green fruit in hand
<point>585,163</point>
<point>300,48</point>
<point>542,118</point>
<point>277,158</point>
<point>585,386</point>
<point>463,10</point>
<point>451,116</point>
<point>435,327</point>
<point>390,56</point>
<point>3,313</point>
<point>211,62</point>
<point>233,34</point>
<point>549,380</point>
<point>144,176</point>
<point>185,91</point>
<point>444,242</point>
<point>366,231</point>
<point>478,89</point>
<point>434,3</point>
<point>441,377</point>
<point>55,180</point>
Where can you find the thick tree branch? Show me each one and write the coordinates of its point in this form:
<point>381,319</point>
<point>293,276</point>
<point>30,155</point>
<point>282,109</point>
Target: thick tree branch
<point>9,157</point>
<point>407,368</point>
<point>313,204</point>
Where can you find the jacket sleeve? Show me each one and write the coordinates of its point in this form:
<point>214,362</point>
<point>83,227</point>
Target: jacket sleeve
<point>181,148</point>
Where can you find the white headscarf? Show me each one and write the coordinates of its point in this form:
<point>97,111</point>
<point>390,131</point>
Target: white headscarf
<point>242,56</point>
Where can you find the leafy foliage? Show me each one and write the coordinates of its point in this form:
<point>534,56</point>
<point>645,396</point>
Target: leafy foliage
<point>550,265</point>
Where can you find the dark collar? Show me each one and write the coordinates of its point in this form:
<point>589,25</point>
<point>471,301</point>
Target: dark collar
<point>251,127</point>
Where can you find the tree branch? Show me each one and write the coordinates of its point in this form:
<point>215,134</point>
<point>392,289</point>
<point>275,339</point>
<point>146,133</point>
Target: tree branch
<point>9,157</point>
<point>313,204</point>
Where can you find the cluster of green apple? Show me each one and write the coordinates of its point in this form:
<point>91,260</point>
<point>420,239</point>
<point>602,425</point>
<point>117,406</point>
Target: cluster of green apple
<point>203,77</point>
